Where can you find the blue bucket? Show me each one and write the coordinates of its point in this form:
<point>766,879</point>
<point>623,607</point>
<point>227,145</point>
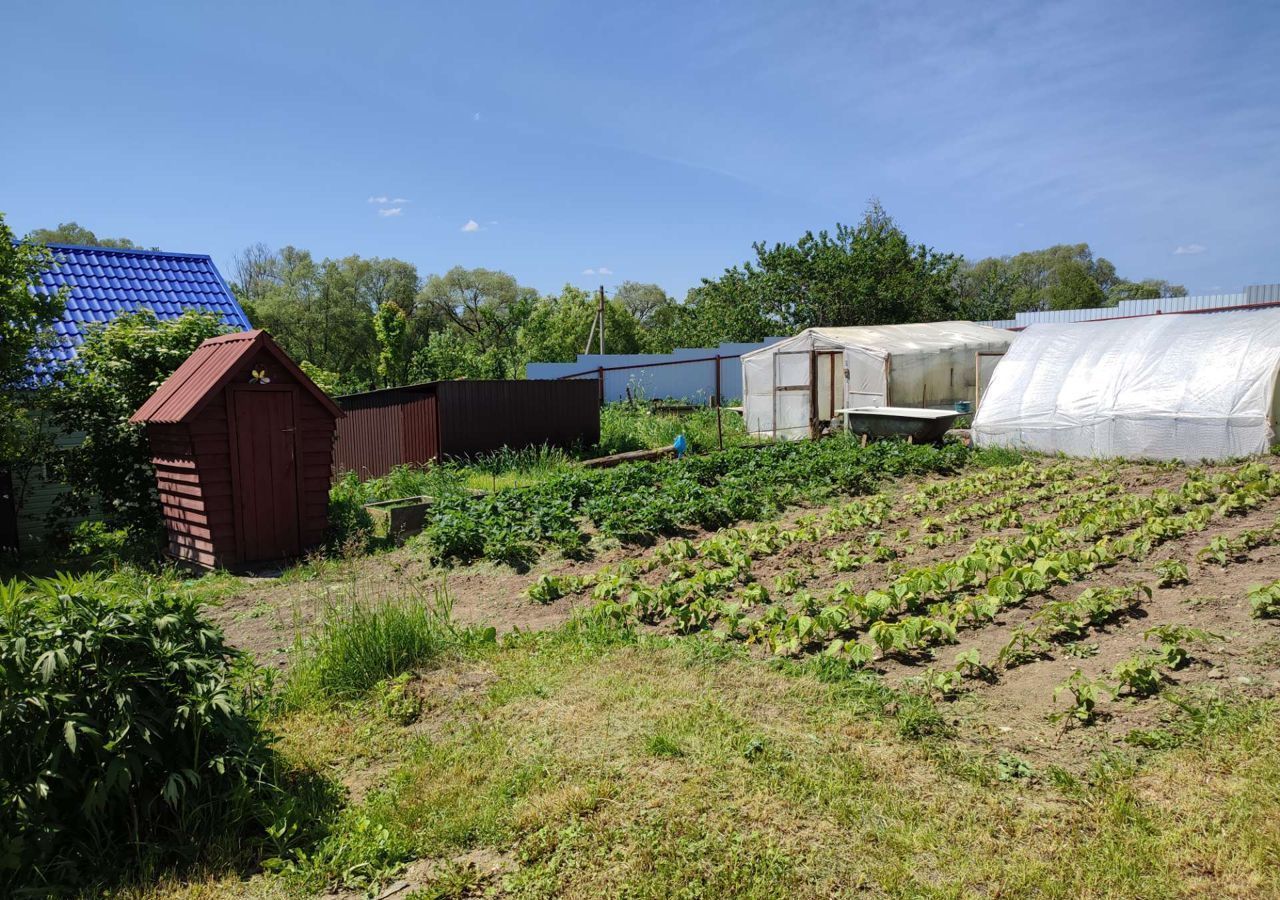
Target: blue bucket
<point>964,407</point>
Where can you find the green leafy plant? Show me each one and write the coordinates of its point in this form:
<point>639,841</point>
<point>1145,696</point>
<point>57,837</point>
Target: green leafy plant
<point>1080,650</point>
<point>550,588</point>
<point>1172,639</point>
<point>126,732</point>
<point>1264,600</point>
<point>396,700</point>
<point>1171,572</point>
<point>1010,767</point>
<point>1024,645</point>
<point>1085,693</point>
<point>1140,675</point>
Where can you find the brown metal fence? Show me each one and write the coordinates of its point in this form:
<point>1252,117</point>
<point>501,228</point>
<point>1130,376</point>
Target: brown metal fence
<point>420,423</point>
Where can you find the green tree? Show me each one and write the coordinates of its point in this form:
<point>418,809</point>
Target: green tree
<point>644,301</point>
<point>484,311</point>
<point>29,311</point>
<point>1064,276</point>
<point>557,327</point>
<point>865,275</point>
<point>1073,286</point>
<point>319,312</point>
<point>73,233</point>
<point>391,328</point>
<point>1147,289</point>
<point>117,368</point>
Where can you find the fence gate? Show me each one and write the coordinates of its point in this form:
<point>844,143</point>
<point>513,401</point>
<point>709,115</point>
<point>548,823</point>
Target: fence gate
<point>8,512</point>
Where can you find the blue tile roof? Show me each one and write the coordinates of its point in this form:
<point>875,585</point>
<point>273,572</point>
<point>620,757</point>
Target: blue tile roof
<point>104,283</point>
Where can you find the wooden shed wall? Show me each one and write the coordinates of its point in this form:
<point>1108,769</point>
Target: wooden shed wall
<point>193,476</point>
<point>315,448</point>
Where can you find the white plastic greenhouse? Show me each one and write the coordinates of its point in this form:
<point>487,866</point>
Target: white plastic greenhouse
<point>791,386</point>
<point>1187,387</point>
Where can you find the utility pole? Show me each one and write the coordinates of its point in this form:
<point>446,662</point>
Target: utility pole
<point>597,323</point>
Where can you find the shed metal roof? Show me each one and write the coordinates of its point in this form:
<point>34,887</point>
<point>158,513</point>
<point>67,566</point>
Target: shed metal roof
<point>206,372</point>
<point>105,282</point>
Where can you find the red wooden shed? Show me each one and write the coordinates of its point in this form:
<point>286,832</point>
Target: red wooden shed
<point>242,442</point>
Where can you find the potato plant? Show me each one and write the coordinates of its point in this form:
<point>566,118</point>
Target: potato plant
<point>1085,693</point>
<point>1139,675</point>
<point>1171,572</point>
<point>1172,638</point>
<point>1264,600</point>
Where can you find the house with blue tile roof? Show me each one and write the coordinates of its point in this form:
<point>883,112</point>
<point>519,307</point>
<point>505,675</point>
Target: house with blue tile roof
<point>102,283</point>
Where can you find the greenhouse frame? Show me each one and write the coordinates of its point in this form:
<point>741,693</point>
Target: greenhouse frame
<point>791,388</point>
<point>1173,387</point>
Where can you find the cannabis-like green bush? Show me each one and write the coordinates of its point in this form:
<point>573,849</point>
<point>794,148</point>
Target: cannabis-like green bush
<point>123,734</point>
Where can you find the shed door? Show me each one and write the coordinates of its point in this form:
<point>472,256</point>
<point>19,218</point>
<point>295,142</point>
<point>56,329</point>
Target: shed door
<point>266,474</point>
<point>8,513</point>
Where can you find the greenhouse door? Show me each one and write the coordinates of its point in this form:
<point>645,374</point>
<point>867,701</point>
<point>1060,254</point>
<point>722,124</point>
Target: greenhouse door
<point>827,370</point>
<point>793,393</point>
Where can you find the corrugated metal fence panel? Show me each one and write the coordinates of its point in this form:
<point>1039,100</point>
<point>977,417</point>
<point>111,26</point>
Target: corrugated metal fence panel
<point>421,435</point>
<point>482,416</point>
<point>1262,293</point>
<point>1178,304</point>
<point>649,376</point>
<point>371,437</point>
<point>1064,315</point>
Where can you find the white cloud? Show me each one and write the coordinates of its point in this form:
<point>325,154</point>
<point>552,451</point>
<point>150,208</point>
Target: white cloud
<point>603,271</point>
<point>1189,249</point>
<point>472,225</point>
<point>588,271</point>
<point>393,211</point>
<point>379,200</point>
<point>399,200</point>
<point>475,117</point>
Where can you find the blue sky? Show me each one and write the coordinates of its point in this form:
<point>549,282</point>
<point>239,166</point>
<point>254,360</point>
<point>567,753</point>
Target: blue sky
<point>654,142</point>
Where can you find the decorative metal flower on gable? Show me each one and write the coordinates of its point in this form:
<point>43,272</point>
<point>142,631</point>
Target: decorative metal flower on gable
<point>259,376</point>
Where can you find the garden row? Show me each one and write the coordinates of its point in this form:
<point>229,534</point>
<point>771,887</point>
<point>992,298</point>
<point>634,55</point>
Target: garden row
<point>1074,525</point>
<point>637,503</point>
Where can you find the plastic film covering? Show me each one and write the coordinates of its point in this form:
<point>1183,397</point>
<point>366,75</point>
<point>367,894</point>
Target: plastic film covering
<point>1165,387</point>
<point>928,364</point>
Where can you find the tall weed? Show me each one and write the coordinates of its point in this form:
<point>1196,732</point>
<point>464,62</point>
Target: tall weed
<point>360,643</point>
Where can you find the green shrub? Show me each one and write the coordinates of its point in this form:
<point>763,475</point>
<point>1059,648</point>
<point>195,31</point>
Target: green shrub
<point>94,543</point>
<point>349,522</point>
<point>123,734</point>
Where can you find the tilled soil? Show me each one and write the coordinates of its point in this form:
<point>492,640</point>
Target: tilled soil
<point>1010,713</point>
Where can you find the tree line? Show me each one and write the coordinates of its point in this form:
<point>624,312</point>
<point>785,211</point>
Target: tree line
<point>358,323</point>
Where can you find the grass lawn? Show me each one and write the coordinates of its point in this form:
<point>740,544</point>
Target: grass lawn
<point>587,762</point>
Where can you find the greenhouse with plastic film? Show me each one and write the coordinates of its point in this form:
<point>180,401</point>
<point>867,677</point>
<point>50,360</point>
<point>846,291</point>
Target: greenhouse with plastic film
<point>791,386</point>
<point>1174,387</point>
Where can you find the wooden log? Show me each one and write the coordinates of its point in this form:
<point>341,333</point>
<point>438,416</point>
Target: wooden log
<point>605,462</point>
